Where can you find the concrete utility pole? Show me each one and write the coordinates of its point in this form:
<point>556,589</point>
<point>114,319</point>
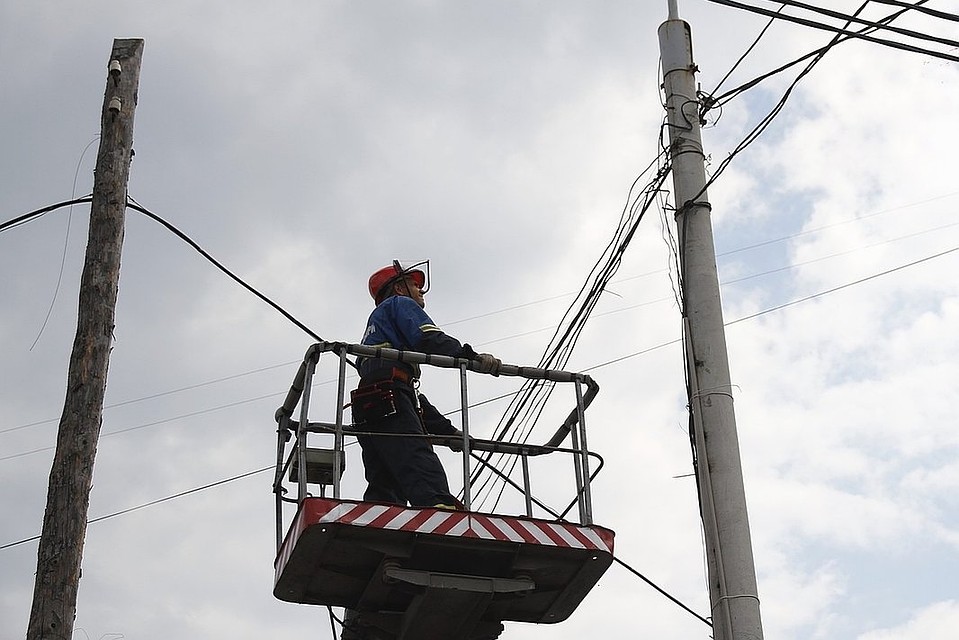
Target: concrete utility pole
<point>68,494</point>
<point>732,574</point>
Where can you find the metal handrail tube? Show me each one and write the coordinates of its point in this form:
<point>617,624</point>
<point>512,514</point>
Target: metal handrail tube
<point>465,423</point>
<point>283,436</point>
<point>296,389</point>
<point>527,489</point>
<point>583,458</point>
<point>524,450</point>
<point>446,362</point>
<point>301,433</point>
<point>477,444</point>
<point>578,471</point>
<point>338,435</point>
<point>587,399</point>
<point>415,357</point>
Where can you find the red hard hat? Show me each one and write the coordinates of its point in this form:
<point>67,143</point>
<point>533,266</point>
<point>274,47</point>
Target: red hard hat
<point>382,279</point>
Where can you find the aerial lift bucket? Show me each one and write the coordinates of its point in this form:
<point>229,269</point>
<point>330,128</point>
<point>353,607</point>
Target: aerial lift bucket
<point>406,573</point>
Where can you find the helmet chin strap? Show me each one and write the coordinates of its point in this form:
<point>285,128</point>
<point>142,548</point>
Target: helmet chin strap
<point>401,273</point>
<point>401,277</point>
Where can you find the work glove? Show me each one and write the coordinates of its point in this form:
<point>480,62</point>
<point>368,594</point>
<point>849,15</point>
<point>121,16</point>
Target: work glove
<point>456,441</point>
<point>486,363</point>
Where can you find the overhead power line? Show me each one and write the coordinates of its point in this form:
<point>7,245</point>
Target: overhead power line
<point>791,303</point>
<point>712,100</point>
<point>66,244</point>
<point>29,217</point>
<point>917,6</point>
<point>825,27</point>
<point>655,586</point>
<point>746,53</point>
<point>845,286</point>
<point>157,422</point>
<point>133,204</point>
<point>765,122</point>
<point>152,502</point>
<point>161,394</point>
<point>876,25</point>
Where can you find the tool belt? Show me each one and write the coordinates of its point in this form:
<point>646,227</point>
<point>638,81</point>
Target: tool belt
<point>377,399</point>
<point>373,402</point>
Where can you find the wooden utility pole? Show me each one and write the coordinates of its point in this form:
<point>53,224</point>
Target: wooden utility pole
<point>732,573</point>
<point>68,494</point>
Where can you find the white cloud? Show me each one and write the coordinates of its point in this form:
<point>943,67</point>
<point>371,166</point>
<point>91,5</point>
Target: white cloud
<point>934,622</point>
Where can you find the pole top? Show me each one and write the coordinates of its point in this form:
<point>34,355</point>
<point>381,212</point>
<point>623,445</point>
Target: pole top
<point>673,9</point>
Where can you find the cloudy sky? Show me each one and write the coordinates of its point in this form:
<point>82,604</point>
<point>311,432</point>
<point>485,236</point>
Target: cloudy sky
<point>306,144</point>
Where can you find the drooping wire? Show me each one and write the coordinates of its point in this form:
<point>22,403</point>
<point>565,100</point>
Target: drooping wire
<point>519,418</point>
<point>745,54</point>
<point>531,400</point>
<point>133,204</point>
<point>672,246</point>
<point>517,422</point>
<point>662,591</point>
<point>66,244</point>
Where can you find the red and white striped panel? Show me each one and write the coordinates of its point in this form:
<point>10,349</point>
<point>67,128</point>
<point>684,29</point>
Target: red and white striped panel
<point>286,550</point>
<point>466,525</point>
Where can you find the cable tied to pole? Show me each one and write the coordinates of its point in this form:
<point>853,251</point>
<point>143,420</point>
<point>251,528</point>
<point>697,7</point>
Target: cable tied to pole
<point>722,390</point>
<point>690,205</point>
<point>722,599</point>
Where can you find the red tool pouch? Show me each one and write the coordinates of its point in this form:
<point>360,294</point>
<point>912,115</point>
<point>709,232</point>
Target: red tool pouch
<point>373,402</point>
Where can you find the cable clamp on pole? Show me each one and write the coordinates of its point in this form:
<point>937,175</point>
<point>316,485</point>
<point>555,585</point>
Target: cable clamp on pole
<point>742,595</point>
<point>714,391</point>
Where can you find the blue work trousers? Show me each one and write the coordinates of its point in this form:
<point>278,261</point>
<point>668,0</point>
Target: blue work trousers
<point>401,469</point>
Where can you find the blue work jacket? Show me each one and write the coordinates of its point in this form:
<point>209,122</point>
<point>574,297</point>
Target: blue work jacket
<point>399,323</point>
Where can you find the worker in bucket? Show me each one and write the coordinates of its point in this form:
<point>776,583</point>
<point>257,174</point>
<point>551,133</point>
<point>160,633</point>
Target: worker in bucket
<point>400,469</point>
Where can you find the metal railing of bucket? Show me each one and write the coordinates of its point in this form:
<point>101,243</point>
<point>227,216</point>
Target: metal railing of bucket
<point>299,394</point>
